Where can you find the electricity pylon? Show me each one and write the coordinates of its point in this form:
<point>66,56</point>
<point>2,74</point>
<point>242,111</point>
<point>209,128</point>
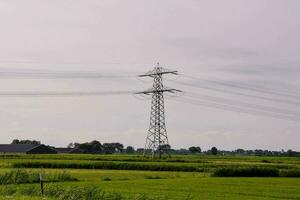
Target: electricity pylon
<point>157,139</point>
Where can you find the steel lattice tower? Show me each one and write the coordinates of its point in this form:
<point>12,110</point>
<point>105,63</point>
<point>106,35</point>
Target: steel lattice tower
<point>157,139</point>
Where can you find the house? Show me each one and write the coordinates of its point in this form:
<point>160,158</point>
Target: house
<point>26,149</point>
<point>69,150</point>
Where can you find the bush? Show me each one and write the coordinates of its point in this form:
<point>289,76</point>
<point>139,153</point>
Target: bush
<point>246,172</point>
<point>152,177</point>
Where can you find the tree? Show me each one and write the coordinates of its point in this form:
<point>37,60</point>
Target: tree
<point>85,147</point>
<point>71,145</point>
<point>182,151</point>
<point>195,149</point>
<point>290,152</point>
<point>259,152</point>
<point>129,150</point>
<point>109,148</point>
<point>214,151</point>
<point>16,141</point>
<point>140,150</point>
<point>240,151</point>
<point>164,148</point>
<point>96,146</point>
<point>118,147</point>
<point>90,147</point>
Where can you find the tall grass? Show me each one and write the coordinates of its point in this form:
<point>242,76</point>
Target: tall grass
<point>106,165</point>
<point>19,176</point>
<point>145,166</point>
<point>57,192</point>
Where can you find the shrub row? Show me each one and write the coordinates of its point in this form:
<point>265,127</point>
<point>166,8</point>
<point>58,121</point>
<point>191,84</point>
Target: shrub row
<point>289,173</point>
<point>255,172</point>
<point>246,172</point>
<point>19,176</point>
<point>106,165</point>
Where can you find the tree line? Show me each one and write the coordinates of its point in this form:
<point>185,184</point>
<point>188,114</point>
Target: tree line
<point>16,141</point>
<point>95,147</point>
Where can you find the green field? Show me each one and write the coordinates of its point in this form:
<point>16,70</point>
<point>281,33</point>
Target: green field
<point>179,177</point>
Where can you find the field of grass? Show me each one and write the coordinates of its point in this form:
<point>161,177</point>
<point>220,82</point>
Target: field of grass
<point>179,177</point>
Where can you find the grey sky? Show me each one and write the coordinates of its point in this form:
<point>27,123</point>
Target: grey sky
<point>253,43</point>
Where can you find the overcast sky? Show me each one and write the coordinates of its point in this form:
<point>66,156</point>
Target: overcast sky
<point>246,52</point>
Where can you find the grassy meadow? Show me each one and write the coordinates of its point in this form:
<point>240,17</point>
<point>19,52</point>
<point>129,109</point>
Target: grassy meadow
<point>134,177</point>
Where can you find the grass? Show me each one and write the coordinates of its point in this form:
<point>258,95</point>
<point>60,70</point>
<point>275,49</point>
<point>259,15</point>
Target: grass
<point>210,188</point>
<point>180,185</point>
<point>133,177</point>
<point>187,185</point>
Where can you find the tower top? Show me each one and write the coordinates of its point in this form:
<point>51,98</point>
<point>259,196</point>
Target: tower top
<point>158,70</point>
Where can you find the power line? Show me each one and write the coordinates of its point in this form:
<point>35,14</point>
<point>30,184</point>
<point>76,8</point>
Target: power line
<point>243,104</point>
<point>61,75</point>
<point>235,109</point>
<point>226,91</point>
<point>245,87</point>
<point>54,94</point>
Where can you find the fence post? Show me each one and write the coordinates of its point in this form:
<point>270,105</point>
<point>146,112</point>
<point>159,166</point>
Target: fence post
<point>42,184</point>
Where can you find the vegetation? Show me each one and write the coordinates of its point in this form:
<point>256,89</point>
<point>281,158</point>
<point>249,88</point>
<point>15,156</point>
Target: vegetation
<point>129,150</point>
<point>246,172</point>
<point>214,151</point>
<point>67,193</point>
<point>96,147</point>
<point>16,141</point>
<point>195,149</point>
<point>132,162</point>
<point>130,176</point>
<point>19,176</point>
<point>106,165</point>
<point>290,173</point>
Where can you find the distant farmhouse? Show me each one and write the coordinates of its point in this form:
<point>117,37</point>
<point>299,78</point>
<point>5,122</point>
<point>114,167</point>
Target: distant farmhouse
<point>26,149</point>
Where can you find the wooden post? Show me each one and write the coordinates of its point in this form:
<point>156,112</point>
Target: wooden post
<point>42,184</point>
